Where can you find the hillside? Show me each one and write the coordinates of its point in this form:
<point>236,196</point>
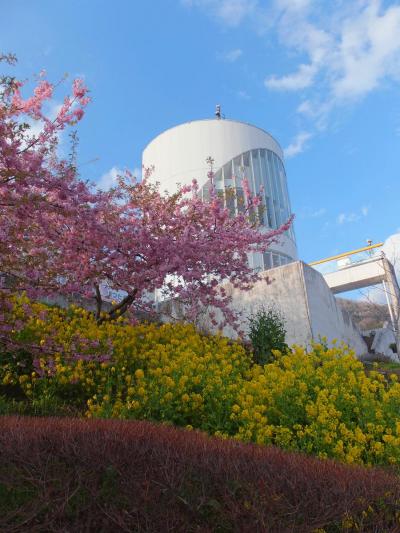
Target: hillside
<point>365,315</point>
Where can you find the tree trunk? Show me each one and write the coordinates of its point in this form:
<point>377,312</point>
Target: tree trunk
<point>118,309</point>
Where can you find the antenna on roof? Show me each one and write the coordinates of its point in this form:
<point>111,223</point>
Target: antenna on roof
<point>218,113</point>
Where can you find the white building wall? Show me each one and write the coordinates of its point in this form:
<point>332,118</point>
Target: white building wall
<point>180,153</point>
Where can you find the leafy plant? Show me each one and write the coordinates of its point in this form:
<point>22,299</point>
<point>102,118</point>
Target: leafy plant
<point>267,332</point>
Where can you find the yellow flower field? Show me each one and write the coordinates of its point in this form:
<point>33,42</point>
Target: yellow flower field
<point>319,401</point>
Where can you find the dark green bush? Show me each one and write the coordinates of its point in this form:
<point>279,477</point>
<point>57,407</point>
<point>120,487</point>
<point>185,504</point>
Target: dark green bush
<point>267,332</point>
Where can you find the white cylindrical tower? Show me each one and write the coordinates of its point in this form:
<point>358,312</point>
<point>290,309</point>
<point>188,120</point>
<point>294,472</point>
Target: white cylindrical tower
<point>238,150</point>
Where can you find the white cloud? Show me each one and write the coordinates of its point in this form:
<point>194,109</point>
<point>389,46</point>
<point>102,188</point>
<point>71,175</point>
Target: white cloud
<point>36,127</point>
<point>293,82</point>
<point>345,50</point>
<point>54,109</point>
<point>369,50</point>
<point>232,12</point>
<point>344,218</point>
<point>51,110</point>
<point>244,95</point>
<point>351,50</point>
<point>231,56</point>
<point>109,179</point>
<point>308,212</point>
<point>318,213</point>
<point>298,145</point>
<point>305,107</point>
<point>296,5</point>
<point>229,12</point>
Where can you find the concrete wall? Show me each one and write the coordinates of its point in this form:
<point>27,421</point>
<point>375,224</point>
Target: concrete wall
<point>326,316</point>
<point>308,306</point>
<point>281,287</point>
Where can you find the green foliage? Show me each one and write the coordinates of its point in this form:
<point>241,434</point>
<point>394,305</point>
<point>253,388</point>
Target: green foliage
<point>267,332</point>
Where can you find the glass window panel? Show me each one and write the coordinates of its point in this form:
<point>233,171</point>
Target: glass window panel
<point>266,174</point>
<point>275,260</point>
<point>238,169</point>
<point>205,192</point>
<point>256,170</point>
<point>230,200</point>
<point>271,175</point>
<point>278,180</point>
<point>228,173</point>
<point>283,216</point>
<point>220,193</point>
<point>218,179</point>
<point>278,218</point>
<point>257,261</point>
<point>288,210</point>
<point>240,201</point>
<point>284,197</point>
<point>266,190</point>
<point>267,260</point>
<point>253,215</point>
<point>269,211</point>
<point>259,186</point>
<point>261,214</point>
<point>284,186</point>
<point>247,171</point>
<point>246,160</point>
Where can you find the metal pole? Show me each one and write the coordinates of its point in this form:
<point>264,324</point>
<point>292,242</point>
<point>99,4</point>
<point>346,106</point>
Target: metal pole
<point>389,305</point>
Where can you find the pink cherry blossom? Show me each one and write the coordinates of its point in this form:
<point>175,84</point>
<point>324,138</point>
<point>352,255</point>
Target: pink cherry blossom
<point>58,235</point>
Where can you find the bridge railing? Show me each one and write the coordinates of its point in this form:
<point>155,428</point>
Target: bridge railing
<point>347,259</point>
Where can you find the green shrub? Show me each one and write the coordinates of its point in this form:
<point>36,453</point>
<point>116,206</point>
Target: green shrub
<point>267,332</point>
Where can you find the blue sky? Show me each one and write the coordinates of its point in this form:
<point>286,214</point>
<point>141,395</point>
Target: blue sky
<point>323,77</point>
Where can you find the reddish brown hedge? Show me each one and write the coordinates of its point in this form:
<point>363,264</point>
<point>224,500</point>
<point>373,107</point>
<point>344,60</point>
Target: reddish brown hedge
<point>107,475</point>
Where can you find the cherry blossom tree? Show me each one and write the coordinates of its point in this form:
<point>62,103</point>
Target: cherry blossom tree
<point>188,247</point>
<point>36,186</point>
<point>141,240</point>
<point>60,236</point>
